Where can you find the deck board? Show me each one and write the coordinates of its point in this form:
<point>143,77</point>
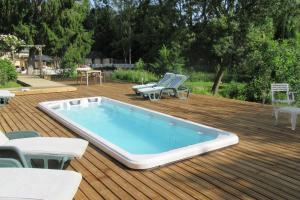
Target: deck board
<point>264,165</point>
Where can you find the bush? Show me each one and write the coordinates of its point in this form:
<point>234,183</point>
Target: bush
<point>234,90</point>
<point>7,72</point>
<point>139,65</point>
<point>134,76</point>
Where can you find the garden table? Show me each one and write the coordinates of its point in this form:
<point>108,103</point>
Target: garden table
<point>293,111</point>
<point>96,73</point>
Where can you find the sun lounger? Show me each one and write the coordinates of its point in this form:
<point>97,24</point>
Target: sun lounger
<point>38,184</point>
<point>174,88</point>
<point>5,96</point>
<point>163,82</point>
<point>44,149</point>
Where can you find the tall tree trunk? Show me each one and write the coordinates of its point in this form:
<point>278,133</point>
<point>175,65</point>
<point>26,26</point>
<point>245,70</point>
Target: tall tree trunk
<point>124,55</point>
<point>129,48</point>
<point>218,80</point>
<point>129,55</point>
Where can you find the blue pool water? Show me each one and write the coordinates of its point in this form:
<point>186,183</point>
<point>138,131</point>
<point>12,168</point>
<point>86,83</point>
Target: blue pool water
<point>135,131</point>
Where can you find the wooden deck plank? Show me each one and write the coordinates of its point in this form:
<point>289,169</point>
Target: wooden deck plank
<point>264,165</point>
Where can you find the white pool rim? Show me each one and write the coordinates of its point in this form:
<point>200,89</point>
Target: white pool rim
<point>144,161</point>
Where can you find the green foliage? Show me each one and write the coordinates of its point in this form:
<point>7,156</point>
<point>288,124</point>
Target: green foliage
<point>58,24</point>
<point>65,33</point>
<point>10,84</point>
<point>169,60</point>
<point>234,90</point>
<point>209,76</point>
<point>199,87</point>
<point>10,43</point>
<point>140,65</point>
<point>269,61</point>
<point>7,72</point>
<point>134,76</point>
<point>257,42</point>
<point>201,76</point>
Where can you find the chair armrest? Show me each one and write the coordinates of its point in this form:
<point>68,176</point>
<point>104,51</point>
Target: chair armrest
<point>12,156</point>
<point>183,88</point>
<point>166,89</point>
<point>21,134</point>
<point>10,163</point>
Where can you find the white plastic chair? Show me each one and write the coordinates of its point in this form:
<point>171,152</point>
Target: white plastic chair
<point>282,87</point>
<point>34,184</point>
<point>289,99</point>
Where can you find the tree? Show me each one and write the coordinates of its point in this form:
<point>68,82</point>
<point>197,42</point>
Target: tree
<point>64,33</point>
<point>10,43</point>
<point>58,24</point>
<point>7,71</point>
<point>169,60</point>
<point>123,24</point>
<point>268,61</point>
<point>101,22</point>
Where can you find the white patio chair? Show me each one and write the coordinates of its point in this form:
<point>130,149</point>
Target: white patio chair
<point>174,87</point>
<point>46,149</point>
<point>5,96</point>
<point>163,82</point>
<point>37,184</point>
<point>289,98</point>
<point>279,88</point>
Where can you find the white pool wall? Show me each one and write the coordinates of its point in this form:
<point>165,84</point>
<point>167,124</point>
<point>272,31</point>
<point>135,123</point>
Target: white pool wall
<point>135,161</point>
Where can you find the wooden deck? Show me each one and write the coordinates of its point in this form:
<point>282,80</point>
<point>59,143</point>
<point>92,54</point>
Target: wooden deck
<point>264,165</point>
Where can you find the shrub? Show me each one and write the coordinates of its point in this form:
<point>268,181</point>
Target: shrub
<point>7,72</point>
<point>139,65</point>
<point>134,76</point>
<point>233,90</point>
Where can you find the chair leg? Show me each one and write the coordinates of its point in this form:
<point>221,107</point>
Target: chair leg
<point>293,120</point>
<point>154,96</point>
<point>275,112</point>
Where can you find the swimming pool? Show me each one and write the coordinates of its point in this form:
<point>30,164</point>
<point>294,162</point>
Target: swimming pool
<point>137,137</point>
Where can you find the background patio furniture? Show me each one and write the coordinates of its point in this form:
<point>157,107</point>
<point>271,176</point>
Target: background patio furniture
<point>30,184</point>
<point>5,96</point>
<point>293,111</point>
<point>163,82</point>
<point>172,89</point>
<point>41,151</point>
<point>85,72</point>
<point>282,88</point>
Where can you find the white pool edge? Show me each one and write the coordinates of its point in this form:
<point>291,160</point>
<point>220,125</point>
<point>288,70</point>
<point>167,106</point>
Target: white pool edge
<point>143,161</point>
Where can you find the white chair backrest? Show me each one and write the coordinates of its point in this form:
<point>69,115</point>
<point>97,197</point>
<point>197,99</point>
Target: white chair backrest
<point>3,138</point>
<point>166,79</point>
<point>177,81</point>
<point>280,87</point>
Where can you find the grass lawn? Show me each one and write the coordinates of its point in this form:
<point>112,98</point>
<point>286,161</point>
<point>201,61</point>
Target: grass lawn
<point>228,90</point>
<point>10,84</point>
<point>200,87</point>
